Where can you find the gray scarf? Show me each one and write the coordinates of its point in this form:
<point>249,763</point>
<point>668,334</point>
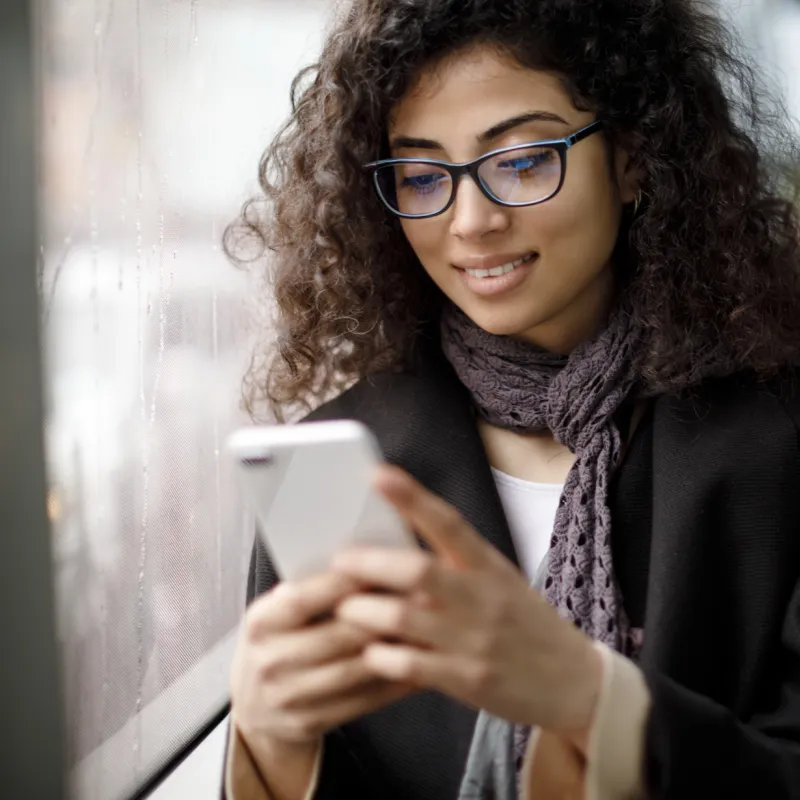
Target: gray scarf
<point>518,386</point>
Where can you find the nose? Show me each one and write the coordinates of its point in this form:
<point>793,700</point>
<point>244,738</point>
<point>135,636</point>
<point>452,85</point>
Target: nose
<point>474,215</point>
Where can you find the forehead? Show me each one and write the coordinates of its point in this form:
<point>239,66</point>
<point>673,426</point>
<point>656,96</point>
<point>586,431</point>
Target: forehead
<point>468,92</point>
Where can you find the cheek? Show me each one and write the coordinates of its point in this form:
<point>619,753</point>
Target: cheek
<point>427,240</point>
<point>577,229</point>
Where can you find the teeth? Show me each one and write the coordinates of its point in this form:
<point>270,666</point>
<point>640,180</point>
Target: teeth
<point>497,271</point>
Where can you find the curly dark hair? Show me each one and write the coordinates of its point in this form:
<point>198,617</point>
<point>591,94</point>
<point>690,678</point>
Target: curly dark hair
<point>713,253</point>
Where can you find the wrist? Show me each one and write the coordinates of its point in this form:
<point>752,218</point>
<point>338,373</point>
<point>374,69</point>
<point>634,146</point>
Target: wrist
<point>256,738</point>
<point>284,767</point>
<point>267,750</point>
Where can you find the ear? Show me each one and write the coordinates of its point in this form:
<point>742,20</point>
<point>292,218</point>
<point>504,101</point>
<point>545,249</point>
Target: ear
<point>629,178</point>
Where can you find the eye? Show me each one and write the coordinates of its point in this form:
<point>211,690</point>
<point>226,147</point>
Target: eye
<point>423,184</point>
<point>527,163</point>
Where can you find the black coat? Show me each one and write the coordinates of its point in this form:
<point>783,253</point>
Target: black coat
<point>706,543</point>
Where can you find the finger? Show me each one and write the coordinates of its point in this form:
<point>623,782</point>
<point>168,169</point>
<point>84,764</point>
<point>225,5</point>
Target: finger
<point>395,618</point>
<point>308,647</point>
<point>435,520</point>
<point>345,708</point>
<point>324,683</point>
<point>391,569</point>
<point>294,604</point>
<point>456,676</point>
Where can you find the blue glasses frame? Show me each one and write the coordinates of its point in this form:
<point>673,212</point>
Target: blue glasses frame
<point>457,171</point>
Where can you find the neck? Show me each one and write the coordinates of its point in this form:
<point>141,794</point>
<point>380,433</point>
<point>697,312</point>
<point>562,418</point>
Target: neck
<point>581,320</point>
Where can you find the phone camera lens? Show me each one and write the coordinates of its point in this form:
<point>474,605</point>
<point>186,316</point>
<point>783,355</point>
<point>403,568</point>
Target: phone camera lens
<point>258,461</point>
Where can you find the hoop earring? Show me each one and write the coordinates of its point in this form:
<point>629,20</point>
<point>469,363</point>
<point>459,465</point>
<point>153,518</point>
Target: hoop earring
<point>637,202</point>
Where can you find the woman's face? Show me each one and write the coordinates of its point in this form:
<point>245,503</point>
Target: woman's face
<point>563,290</point>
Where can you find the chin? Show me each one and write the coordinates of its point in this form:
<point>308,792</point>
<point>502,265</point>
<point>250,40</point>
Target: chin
<point>501,321</point>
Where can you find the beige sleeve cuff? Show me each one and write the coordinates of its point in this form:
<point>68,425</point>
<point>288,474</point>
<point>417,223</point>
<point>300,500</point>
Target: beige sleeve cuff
<point>613,768</point>
<point>616,757</point>
<point>243,780</point>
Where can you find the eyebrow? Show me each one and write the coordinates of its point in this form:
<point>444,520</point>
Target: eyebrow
<point>409,142</point>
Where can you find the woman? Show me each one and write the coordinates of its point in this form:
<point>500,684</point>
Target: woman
<point>546,254</point>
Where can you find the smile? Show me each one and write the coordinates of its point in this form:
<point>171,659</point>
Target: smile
<point>497,280</point>
<point>501,270</point>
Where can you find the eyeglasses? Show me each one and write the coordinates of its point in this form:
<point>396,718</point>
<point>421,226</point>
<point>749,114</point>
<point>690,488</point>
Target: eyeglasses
<point>523,175</point>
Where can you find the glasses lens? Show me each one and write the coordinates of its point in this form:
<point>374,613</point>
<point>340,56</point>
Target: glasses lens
<point>415,189</point>
<point>526,175</point>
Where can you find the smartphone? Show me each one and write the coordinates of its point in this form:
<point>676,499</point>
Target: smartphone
<point>310,486</point>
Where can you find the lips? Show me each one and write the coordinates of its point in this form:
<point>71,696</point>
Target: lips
<point>499,278</point>
<point>502,269</point>
<point>493,261</point>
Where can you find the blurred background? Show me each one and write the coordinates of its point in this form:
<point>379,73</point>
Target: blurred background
<point>153,116</point>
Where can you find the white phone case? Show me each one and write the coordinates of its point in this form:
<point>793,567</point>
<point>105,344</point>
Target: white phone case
<point>310,486</point>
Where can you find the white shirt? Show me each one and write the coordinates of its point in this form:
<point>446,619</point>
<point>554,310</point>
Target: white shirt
<point>531,512</point>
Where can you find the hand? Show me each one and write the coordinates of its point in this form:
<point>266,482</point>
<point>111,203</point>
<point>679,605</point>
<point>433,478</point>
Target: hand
<point>465,621</point>
<point>296,674</point>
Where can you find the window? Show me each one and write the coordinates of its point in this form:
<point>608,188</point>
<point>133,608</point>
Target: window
<point>771,29</point>
<point>154,114</point>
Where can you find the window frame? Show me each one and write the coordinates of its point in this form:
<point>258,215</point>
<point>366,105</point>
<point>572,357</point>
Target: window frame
<point>34,755</point>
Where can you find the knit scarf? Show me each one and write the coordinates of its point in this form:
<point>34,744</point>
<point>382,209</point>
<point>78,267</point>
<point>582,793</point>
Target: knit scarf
<point>519,386</point>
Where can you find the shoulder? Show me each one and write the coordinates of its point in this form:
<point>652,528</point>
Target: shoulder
<point>739,422</point>
<point>408,394</point>
<point>416,416</point>
<point>741,395</point>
